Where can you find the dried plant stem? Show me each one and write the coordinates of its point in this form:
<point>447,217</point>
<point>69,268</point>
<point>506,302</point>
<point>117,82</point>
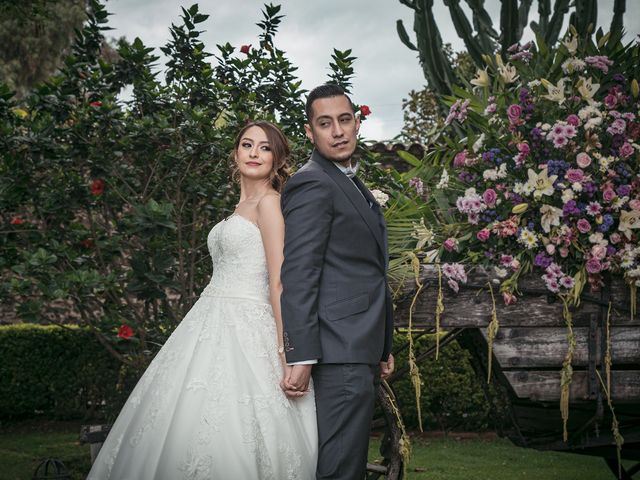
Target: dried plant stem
<point>439,310</point>
<point>492,330</point>
<point>615,430</point>
<point>567,370</point>
<point>414,371</point>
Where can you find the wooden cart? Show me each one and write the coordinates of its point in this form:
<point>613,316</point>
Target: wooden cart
<point>528,352</point>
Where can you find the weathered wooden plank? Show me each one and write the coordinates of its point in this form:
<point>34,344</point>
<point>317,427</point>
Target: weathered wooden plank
<point>471,306</point>
<point>546,347</point>
<point>545,385</point>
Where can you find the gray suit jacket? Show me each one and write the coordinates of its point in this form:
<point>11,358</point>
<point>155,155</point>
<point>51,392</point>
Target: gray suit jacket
<point>336,303</point>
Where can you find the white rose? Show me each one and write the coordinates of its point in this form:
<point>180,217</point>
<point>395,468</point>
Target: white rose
<point>381,197</point>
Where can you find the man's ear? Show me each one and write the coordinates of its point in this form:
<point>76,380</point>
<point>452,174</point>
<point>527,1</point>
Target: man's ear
<point>357,124</point>
<point>309,132</point>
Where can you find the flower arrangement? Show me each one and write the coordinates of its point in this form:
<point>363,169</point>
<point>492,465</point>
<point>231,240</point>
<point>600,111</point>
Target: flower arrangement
<point>545,174</point>
<point>538,172</point>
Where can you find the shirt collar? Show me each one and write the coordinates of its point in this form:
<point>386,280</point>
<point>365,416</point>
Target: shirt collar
<point>349,171</point>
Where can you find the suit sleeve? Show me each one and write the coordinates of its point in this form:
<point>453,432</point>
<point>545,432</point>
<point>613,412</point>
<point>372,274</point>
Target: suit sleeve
<point>388,327</point>
<point>307,206</point>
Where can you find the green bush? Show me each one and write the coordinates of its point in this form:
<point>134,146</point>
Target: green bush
<point>452,396</point>
<point>57,372</point>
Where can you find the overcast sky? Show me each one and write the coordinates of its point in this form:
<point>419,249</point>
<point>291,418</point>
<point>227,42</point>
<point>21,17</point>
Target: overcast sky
<point>386,70</point>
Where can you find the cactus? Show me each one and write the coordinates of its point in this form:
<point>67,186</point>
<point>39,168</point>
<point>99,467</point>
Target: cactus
<point>618,11</point>
<point>480,38</point>
<point>436,67</point>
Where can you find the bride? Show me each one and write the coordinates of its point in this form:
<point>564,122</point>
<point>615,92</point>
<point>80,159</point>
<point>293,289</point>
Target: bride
<point>210,405</point>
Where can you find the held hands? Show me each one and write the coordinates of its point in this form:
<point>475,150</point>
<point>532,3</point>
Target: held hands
<point>295,382</point>
<point>386,368</point>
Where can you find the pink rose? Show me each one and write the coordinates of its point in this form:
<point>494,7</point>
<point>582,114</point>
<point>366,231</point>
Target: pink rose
<point>583,159</point>
<point>634,204</point>
<point>608,195</point>
<point>483,235</point>
<point>599,251</point>
<point>574,175</point>
<point>506,259</point>
<point>583,225</point>
<point>626,150</point>
<point>564,252</point>
<point>610,101</point>
<point>489,196</point>
<point>523,148</point>
<point>593,265</point>
<point>550,248</point>
<point>514,111</point>
<point>573,120</point>
<point>449,244</point>
<point>460,159</point>
<point>615,238</point>
<point>509,298</point>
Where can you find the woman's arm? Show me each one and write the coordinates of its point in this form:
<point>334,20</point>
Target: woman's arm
<point>271,225</point>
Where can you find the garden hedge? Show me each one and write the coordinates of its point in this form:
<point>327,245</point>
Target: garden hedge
<point>58,372</point>
<point>65,373</point>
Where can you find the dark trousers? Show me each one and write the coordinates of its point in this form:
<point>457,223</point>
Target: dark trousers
<point>345,396</point>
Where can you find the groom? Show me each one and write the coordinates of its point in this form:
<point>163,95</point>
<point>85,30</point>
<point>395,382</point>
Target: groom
<point>336,304</point>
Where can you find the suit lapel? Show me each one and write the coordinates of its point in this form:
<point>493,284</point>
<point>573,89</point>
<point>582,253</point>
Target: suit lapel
<point>371,216</point>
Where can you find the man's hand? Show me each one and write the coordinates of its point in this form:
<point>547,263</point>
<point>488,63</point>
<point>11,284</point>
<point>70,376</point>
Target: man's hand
<point>296,380</point>
<point>386,368</point>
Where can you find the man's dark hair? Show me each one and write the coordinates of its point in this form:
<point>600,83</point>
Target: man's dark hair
<point>324,91</point>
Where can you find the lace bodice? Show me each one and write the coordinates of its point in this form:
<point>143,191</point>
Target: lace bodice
<point>239,264</point>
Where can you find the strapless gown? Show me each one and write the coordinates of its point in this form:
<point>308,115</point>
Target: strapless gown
<point>209,406</point>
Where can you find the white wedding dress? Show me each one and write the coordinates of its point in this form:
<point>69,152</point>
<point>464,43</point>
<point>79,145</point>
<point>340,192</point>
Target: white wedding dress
<point>210,406</point>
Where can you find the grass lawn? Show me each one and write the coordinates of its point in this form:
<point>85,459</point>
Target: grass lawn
<point>24,446</point>
<point>494,459</point>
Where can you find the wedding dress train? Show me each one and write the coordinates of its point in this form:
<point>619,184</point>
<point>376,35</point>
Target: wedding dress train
<point>209,406</point>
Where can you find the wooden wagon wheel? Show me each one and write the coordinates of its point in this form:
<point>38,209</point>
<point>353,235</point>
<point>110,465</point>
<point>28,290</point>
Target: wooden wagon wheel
<point>392,465</point>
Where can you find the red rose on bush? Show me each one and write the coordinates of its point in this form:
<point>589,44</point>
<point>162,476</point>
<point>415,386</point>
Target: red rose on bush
<point>365,110</point>
<point>97,187</point>
<point>125,332</point>
<point>245,49</point>
<point>16,221</point>
<point>87,243</point>
<point>96,104</point>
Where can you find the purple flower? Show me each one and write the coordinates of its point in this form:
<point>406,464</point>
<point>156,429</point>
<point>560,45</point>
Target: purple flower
<point>600,62</point>
<point>542,260</point>
<point>417,183</point>
<point>623,190</point>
